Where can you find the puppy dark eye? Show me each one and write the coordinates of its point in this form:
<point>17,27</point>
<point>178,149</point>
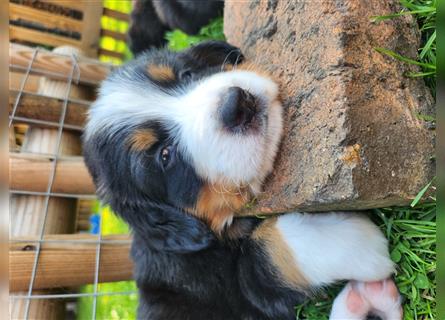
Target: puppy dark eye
<point>185,74</point>
<point>166,156</point>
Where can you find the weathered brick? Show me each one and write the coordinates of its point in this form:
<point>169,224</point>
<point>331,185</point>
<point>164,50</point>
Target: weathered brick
<point>352,137</point>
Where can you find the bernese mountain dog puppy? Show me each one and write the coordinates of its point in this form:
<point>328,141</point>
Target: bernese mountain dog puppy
<point>177,143</point>
<point>151,19</point>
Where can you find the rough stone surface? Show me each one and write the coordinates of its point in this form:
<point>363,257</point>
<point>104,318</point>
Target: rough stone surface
<point>352,137</point>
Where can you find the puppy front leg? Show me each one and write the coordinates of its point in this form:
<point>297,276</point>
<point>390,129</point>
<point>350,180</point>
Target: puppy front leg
<point>327,247</point>
<point>302,252</point>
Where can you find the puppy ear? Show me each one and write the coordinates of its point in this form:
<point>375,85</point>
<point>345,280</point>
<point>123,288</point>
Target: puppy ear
<point>215,53</point>
<point>165,228</point>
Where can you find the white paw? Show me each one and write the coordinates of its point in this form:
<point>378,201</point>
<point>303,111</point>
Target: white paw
<point>358,299</point>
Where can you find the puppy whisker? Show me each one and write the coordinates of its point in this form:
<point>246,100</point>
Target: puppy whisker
<point>227,57</point>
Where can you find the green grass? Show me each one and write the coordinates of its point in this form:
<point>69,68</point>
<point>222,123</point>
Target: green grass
<point>178,40</point>
<point>115,307</point>
<point>412,235</point>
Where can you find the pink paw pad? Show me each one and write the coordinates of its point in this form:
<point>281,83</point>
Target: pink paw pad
<point>358,299</point>
<point>392,289</point>
<point>383,298</point>
<point>355,302</point>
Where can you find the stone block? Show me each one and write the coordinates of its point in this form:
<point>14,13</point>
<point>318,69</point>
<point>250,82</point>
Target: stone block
<point>352,135</point>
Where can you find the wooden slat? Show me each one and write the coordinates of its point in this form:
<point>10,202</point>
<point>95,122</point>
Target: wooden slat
<point>56,66</point>
<point>116,14</point>
<point>44,18</point>
<point>34,81</point>
<point>35,106</point>
<point>41,140</point>
<point>91,28</point>
<point>78,5</point>
<point>38,37</point>
<point>12,139</point>
<point>16,78</point>
<point>113,34</point>
<point>20,128</point>
<point>64,264</point>
<point>31,172</point>
<point>110,53</point>
<point>84,211</point>
<point>52,309</point>
<point>20,131</point>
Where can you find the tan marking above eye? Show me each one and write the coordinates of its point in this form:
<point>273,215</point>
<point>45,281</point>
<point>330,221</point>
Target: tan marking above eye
<point>160,72</point>
<point>216,204</point>
<point>279,254</point>
<point>142,139</point>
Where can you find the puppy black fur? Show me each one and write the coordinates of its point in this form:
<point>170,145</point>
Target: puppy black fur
<point>182,268</point>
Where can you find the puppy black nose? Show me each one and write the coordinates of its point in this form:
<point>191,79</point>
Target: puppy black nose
<point>238,108</point>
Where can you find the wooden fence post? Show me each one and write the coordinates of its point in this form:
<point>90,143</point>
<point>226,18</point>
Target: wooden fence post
<point>92,12</point>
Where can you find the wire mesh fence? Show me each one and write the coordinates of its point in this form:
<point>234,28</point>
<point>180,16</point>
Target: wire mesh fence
<point>72,71</point>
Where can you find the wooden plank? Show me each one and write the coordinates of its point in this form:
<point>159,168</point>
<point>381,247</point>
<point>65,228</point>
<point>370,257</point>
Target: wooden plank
<point>38,37</point>
<point>114,54</point>
<point>53,309</point>
<point>44,140</point>
<point>49,20</point>
<point>40,107</point>
<point>56,66</point>
<point>113,34</point>
<point>63,264</point>
<point>33,82</point>
<point>20,128</point>
<point>71,4</point>
<point>91,28</point>
<point>29,213</point>
<point>116,14</point>
<point>16,78</point>
<point>12,140</point>
<point>20,131</point>
<point>31,172</point>
<point>84,211</point>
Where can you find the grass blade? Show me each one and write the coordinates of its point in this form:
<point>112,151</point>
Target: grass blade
<point>421,193</point>
<point>404,59</point>
<point>427,46</point>
<point>395,15</point>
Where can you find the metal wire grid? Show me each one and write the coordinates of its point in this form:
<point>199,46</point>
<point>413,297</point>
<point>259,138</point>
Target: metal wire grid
<point>44,122</point>
<point>73,76</point>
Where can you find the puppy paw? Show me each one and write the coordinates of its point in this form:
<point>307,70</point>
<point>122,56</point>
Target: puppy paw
<point>383,297</point>
<point>358,299</point>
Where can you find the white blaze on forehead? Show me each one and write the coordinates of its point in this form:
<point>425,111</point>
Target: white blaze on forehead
<point>194,121</point>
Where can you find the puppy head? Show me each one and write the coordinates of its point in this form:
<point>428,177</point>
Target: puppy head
<point>197,131</point>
